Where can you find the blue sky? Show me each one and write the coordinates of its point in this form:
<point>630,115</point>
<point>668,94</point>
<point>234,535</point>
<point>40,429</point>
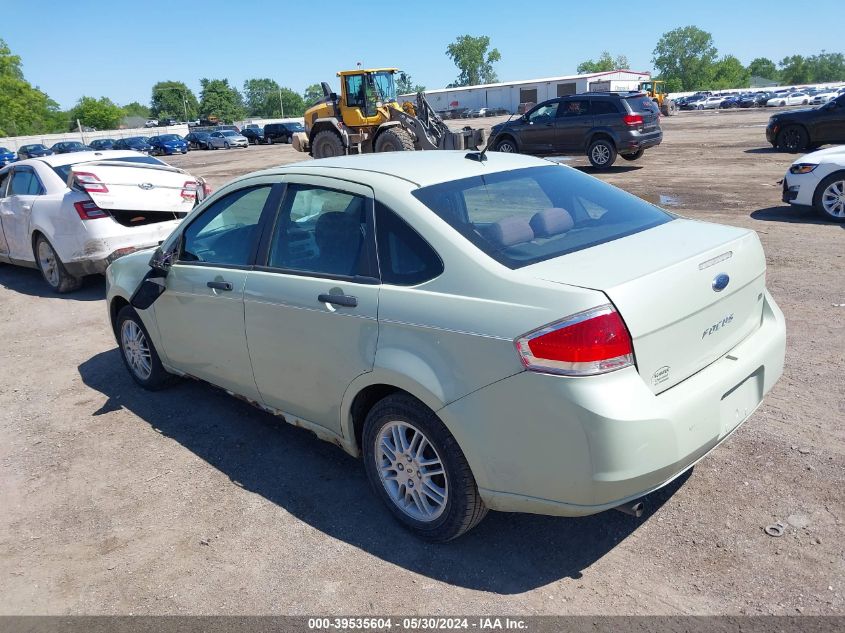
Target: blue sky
<point>120,49</point>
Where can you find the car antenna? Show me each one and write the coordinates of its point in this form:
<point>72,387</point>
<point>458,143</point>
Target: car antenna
<point>480,156</point>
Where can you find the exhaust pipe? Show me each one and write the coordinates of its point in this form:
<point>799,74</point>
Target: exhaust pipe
<point>634,508</point>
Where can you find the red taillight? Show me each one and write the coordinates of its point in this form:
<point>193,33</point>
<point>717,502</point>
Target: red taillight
<point>591,342</point>
<point>632,119</point>
<point>90,182</point>
<point>206,190</point>
<point>88,210</point>
<point>189,190</point>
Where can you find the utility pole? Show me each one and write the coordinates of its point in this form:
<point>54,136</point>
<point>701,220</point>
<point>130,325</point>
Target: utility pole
<point>281,105</point>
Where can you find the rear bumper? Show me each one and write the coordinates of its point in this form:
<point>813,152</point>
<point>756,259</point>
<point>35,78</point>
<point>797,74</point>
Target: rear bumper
<point>576,446</point>
<point>637,141</point>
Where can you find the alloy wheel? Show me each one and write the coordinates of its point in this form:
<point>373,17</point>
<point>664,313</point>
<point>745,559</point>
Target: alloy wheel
<point>600,154</point>
<point>48,262</point>
<point>136,349</point>
<point>507,147</point>
<point>833,199</point>
<point>411,471</point>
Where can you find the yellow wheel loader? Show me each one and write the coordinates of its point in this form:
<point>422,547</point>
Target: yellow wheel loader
<point>367,117</point>
<point>656,90</point>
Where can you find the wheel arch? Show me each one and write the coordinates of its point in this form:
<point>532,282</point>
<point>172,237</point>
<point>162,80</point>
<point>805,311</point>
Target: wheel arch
<point>602,134</point>
<point>321,125</point>
<point>509,135</point>
<point>116,304</point>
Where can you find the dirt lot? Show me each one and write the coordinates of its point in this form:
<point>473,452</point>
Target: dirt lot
<point>188,501</point>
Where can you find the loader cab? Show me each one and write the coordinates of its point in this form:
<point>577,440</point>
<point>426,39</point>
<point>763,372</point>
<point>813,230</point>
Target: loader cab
<point>652,88</point>
<point>364,93</point>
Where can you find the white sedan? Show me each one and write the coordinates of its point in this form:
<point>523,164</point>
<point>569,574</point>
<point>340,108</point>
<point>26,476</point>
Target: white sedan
<point>710,103</point>
<point>227,139</point>
<point>793,98</point>
<point>70,215</point>
<point>818,180</point>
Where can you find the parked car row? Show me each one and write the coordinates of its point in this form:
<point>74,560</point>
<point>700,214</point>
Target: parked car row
<point>467,113</point>
<point>807,96</point>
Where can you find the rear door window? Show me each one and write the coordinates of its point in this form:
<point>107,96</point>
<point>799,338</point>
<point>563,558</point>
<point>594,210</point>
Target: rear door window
<point>525,216</point>
<point>24,183</point>
<point>599,107</point>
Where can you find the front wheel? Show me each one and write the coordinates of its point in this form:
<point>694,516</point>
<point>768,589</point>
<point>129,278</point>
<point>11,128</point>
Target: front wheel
<point>829,198</point>
<point>602,153</point>
<point>507,145</point>
<point>418,470</point>
<point>394,139</point>
<point>792,138</point>
<point>52,268</point>
<point>226,145</point>
<point>138,352</point>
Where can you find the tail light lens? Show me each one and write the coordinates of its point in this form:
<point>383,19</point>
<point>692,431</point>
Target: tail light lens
<point>88,210</point>
<point>189,190</point>
<point>632,119</point>
<point>90,182</point>
<point>592,342</point>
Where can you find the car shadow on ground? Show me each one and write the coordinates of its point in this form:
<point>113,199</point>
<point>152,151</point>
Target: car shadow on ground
<point>614,169</point>
<point>323,486</point>
<point>792,214</point>
<point>766,150</point>
<point>29,281</point>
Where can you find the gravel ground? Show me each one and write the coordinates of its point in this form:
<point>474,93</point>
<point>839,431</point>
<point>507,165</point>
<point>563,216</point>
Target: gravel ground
<point>117,501</point>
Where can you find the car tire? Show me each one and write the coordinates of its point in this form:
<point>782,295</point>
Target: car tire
<point>602,153</point>
<point>52,268</point>
<point>507,145</point>
<point>289,139</point>
<point>138,352</point>
<point>829,197</point>
<point>394,139</point>
<point>226,145</point>
<point>438,507</point>
<point>327,144</point>
<point>636,155</point>
<point>792,138</point>
<point>269,141</point>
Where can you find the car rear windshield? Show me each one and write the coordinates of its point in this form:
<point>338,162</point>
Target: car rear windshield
<point>640,103</point>
<point>529,215</point>
<point>63,171</point>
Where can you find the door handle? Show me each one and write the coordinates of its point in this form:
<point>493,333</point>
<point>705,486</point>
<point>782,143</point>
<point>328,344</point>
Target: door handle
<point>347,301</point>
<point>220,285</point>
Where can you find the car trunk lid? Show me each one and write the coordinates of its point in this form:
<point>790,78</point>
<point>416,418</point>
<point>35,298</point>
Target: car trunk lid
<point>663,281</point>
<point>114,185</point>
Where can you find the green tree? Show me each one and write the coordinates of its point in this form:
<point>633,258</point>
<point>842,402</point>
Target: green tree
<point>729,72</point>
<point>405,85</point>
<point>685,57</point>
<point>136,109</point>
<point>762,67</point>
<point>474,59</point>
<point>219,99</point>
<point>795,69</point>
<point>102,113</point>
<point>604,63</point>
<point>171,99</point>
<point>24,109</point>
<point>826,67</point>
<point>312,94</point>
<point>272,109</point>
<point>258,95</point>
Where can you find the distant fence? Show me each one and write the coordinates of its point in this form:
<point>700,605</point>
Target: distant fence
<point>14,143</point>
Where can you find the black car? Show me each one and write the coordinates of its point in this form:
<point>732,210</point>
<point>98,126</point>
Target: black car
<point>280,132</point>
<point>33,151</point>
<point>102,143</point>
<point>199,140</point>
<point>808,128</point>
<point>254,135</point>
<point>600,124</point>
<point>66,147</point>
<point>137,143</point>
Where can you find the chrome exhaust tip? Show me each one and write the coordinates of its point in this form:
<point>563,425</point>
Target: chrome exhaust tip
<point>633,508</point>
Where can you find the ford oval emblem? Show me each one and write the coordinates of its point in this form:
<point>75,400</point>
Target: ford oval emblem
<point>720,282</point>
<point>146,186</point>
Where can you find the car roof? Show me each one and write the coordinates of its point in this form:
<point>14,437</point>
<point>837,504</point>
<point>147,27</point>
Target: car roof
<point>58,160</point>
<point>421,168</point>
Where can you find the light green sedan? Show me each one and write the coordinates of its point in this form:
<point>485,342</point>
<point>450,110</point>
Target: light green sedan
<point>504,333</point>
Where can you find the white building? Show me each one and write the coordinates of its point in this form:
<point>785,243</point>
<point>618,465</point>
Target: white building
<point>509,94</point>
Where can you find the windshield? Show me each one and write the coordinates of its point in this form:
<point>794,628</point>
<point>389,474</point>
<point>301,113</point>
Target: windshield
<point>64,170</point>
<point>230,133</point>
<point>385,86</point>
<point>529,215</point>
<point>169,137</point>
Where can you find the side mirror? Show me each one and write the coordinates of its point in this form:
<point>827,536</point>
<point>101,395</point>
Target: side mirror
<point>162,260</point>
